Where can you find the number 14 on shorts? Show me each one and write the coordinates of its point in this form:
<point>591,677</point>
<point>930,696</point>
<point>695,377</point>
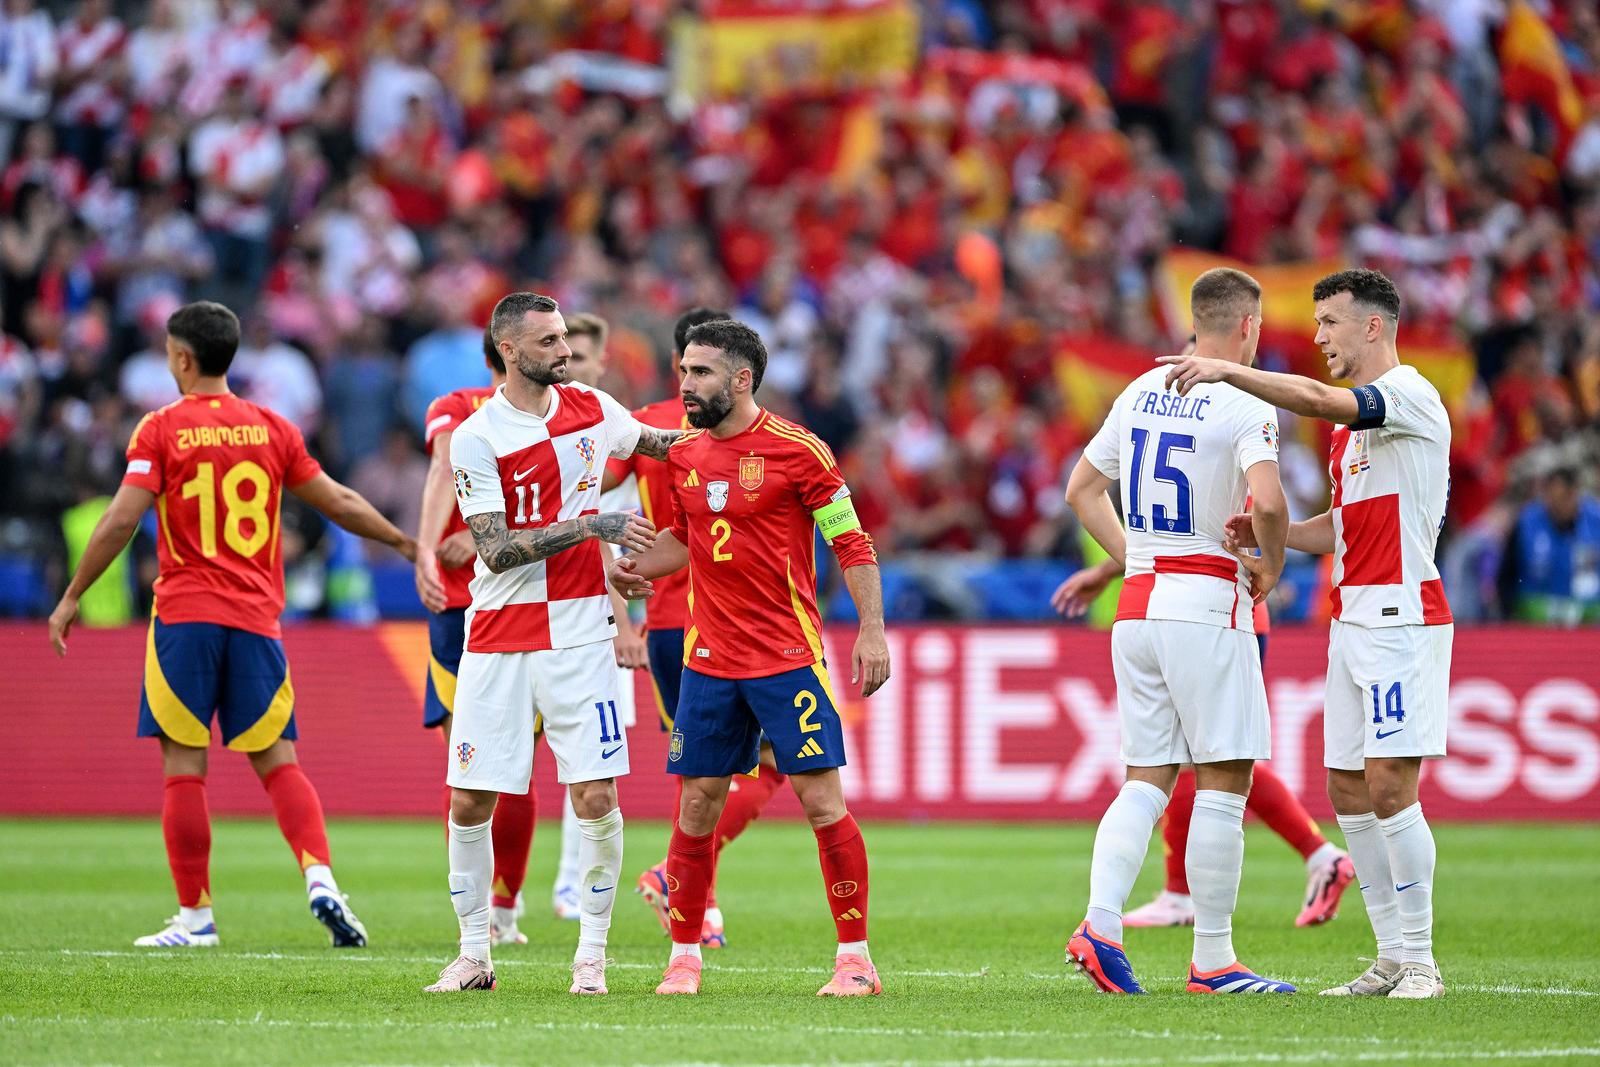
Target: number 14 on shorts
<point>1392,709</point>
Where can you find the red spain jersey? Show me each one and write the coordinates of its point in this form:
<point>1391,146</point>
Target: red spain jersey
<point>445,414</point>
<point>669,608</point>
<point>218,465</point>
<point>744,507</point>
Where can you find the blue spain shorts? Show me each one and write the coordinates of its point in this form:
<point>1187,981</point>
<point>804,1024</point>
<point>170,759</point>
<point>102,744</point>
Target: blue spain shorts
<point>193,670</point>
<point>447,636</point>
<point>721,723</point>
<point>666,667</point>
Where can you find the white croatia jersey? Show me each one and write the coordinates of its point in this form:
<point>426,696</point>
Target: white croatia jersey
<point>1391,481</point>
<point>1182,460</point>
<point>539,471</point>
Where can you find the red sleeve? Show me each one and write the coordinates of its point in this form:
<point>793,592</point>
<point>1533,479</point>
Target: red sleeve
<point>620,468</point>
<point>298,467</point>
<point>146,450</point>
<point>820,483</point>
<point>444,415</point>
<point>678,525</point>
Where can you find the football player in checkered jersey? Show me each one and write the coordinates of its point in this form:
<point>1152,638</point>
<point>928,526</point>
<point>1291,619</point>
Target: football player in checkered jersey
<point>528,465</point>
<point>1390,640</point>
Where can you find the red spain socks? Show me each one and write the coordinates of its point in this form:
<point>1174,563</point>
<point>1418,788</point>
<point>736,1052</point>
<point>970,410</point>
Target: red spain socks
<point>1274,803</point>
<point>299,812</point>
<point>186,825</point>
<point>1175,832</point>
<point>689,864</point>
<point>513,840</point>
<point>844,872</point>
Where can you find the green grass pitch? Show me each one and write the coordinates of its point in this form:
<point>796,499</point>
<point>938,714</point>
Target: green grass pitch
<point>967,927</point>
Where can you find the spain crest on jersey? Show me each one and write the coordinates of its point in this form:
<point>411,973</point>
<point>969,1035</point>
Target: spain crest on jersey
<point>716,495</point>
<point>675,749</point>
<point>752,471</point>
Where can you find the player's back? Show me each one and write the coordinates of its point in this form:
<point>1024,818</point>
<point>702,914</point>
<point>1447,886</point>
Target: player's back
<point>1181,460</point>
<point>218,465</point>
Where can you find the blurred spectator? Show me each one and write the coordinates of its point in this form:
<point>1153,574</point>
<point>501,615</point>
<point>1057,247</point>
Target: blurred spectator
<point>392,478</point>
<point>276,375</point>
<point>28,60</point>
<point>1550,570</point>
<point>238,161</point>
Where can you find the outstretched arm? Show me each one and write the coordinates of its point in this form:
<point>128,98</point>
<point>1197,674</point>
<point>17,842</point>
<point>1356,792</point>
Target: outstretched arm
<point>1313,535</point>
<point>350,509</point>
<point>654,441</point>
<point>1292,392</point>
<point>110,536</point>
<point>501,549</point>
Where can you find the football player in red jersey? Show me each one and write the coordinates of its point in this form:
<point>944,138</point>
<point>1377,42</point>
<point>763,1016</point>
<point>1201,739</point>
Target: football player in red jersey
<point>215,466</point>
<point>749,492</point>
<point>665,613</point>
<point>444,569</point>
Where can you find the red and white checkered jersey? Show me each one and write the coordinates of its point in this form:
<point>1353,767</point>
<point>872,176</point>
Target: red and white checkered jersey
<point>1181,460</point>
<point>1391,481</point>
<point>539,471</point>
<point>91,53</point>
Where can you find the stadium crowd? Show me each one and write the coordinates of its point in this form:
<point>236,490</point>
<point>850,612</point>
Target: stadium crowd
<point>363,180</point>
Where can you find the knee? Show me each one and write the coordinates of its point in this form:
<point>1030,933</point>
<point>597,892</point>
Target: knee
<point>592,800</point>
<point>1348,793</point>
<point>697,814</point>
<point>823,806</point>
<point>471,808</point>
<point>1389,797</point>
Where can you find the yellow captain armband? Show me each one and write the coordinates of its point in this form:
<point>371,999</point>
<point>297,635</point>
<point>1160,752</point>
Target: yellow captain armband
<point>836,517</point>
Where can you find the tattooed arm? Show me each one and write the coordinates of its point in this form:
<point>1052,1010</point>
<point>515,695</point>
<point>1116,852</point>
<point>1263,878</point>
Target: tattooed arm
<point>501,549</point>
<point>654,442</point>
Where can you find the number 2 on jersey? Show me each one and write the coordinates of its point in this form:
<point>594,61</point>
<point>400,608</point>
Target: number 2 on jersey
<point>239,509</point>
<point>1182,523</point>
<point>722,530</point>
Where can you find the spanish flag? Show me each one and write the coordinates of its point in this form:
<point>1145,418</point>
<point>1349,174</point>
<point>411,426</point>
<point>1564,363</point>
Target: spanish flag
<point>1533,71</point>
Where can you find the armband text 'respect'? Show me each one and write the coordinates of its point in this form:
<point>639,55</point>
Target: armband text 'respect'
<point>837,517</point>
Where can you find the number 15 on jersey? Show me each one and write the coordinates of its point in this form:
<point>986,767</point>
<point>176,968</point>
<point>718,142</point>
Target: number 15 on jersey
<point>1178,521</point>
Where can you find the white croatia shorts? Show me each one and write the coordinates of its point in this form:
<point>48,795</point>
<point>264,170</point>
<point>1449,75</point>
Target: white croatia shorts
<point>1188,693</point>
<point>1388,693</point>
<point>498,695</point>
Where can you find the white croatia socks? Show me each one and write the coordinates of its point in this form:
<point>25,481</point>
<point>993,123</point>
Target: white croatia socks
<point>599,867</point>
<point>1214,860</point>
<point>571,868</point>
<point>471,872</point>
<point>1368,851</point>
<point>1119,847</point>
<point>1411,861</point>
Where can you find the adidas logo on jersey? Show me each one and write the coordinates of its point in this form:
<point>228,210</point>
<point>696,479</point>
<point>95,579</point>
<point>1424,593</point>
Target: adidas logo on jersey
<point>693,481</point>
<point>810,748</point>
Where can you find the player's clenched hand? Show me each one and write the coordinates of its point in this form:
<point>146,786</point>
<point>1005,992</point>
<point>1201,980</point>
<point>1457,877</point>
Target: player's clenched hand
<point>457,550</point>
<point>1263,577</point>
<point>625,579</point>
<point>429,589</point>
<point>1239,532</point>
<point>1189,371</point>
<point>632,653</point>
<point>869,663</point>
<point>61,621</point>
<point>1073,596</point>
<point>633,532</point>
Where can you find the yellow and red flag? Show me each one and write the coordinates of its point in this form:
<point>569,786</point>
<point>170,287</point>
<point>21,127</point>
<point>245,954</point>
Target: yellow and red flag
<point>1533,71</point>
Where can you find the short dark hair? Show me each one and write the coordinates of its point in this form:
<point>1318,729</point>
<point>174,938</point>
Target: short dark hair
<point>737,341</point>
<point>512,307</point>
<point>210,331</point>
<point>1220,297</point>
<point>491,352</point>
<point>689,320</point>
<point>1369,288</point>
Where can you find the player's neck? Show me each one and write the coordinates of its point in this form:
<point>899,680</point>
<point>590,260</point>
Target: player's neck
<point>1378,363</point>
<point>741,418</point>
<point>1212,348</point>
<point>528,396</point>
<point>208,385</point>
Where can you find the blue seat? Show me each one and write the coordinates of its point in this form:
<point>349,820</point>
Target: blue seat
<point>22,587</point>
